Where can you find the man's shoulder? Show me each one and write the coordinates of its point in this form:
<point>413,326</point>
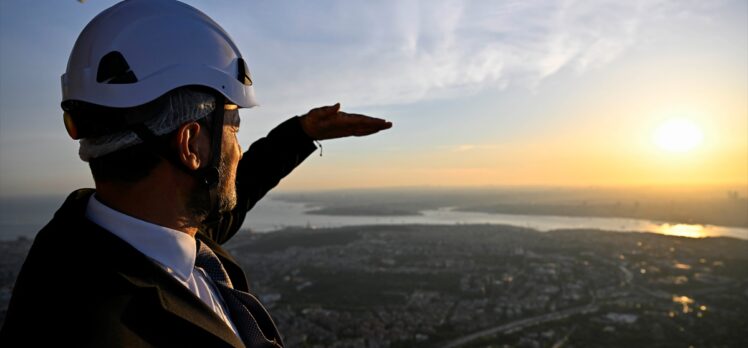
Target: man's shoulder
<point>81,283</point>
<point>78,272</point>
<point>69,234</point>
<point>72,274</point>
<point>72,247</point>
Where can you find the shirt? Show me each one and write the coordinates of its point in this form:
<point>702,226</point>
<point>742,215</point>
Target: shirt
<point>172,250</point>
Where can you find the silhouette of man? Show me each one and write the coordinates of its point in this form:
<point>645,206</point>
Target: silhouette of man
<point>152,90</point>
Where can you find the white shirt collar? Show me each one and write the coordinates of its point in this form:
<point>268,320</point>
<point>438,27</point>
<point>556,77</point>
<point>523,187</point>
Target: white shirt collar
<point>174,250</point>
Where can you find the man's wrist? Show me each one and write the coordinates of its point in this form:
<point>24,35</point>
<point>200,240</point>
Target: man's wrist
<point>306,126</point>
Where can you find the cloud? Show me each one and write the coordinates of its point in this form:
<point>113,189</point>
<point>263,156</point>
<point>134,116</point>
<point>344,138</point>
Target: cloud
<point>394,52</point>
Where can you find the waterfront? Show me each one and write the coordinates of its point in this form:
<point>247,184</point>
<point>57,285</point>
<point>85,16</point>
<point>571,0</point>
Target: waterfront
<point>272,215</point>
<point>25,217</point>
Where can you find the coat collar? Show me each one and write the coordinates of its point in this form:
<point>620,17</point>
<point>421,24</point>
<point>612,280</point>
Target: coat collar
<point>155,288</point>
<point>173,298</point>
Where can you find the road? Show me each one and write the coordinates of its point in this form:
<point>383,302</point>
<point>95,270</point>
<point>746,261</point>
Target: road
<point>523,323</point>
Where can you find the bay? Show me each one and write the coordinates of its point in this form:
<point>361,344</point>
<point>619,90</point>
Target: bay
<point>270,215</point>
<point>23,217</point>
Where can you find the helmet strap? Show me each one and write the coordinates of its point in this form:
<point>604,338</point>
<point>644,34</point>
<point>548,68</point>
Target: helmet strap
<point>210,176</point>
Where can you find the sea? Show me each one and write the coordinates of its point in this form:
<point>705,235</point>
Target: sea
<point>24,217</point>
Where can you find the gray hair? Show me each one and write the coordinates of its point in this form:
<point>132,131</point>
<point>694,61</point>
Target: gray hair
<point>178,107</point>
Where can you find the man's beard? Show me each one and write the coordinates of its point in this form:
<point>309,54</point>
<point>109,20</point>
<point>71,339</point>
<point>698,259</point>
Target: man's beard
<point>226,187</point>
<point>199,201</point>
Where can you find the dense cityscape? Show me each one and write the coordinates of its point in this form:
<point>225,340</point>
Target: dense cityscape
<point>498,285</point>
<point>489,286</point>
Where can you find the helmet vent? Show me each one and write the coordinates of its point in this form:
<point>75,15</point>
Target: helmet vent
<point>244,73</point>
<point>113,69</point>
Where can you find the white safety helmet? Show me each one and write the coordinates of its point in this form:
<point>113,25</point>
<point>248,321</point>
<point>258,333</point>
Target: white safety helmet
<point>138,50</point>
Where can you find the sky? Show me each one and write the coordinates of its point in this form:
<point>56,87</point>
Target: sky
<point>481,93</point>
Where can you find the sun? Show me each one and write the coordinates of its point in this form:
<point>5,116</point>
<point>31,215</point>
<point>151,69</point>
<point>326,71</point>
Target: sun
<point>678,135</point>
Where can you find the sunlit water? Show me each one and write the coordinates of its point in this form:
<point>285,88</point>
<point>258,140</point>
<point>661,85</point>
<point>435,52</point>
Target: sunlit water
<point>26,217</point>
<point>271,215</point>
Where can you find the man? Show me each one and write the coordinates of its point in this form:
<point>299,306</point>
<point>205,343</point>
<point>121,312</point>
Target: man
<point>153,89</point>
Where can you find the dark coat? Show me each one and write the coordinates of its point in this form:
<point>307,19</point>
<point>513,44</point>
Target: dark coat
<point>82,286</point>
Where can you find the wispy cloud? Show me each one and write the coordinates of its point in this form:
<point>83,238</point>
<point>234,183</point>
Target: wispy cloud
<point>378,53</point>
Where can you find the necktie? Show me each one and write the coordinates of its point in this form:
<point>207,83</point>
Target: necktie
<point>250,317</point>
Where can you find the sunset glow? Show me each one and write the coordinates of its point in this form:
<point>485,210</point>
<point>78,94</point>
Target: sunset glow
<point>429,173</point>
<point>480,93</point>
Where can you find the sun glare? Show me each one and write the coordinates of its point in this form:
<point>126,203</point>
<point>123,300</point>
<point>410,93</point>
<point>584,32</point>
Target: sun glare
<point>683,230</point>
<point>678,135</point>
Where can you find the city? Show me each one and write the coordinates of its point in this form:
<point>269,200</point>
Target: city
<point>480,285</point>
<point>488,286</point>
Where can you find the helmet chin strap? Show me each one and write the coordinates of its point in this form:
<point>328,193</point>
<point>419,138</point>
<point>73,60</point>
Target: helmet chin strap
<point>210,176</point>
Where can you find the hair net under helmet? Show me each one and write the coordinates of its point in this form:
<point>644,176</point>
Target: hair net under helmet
<point>137,51</point>
<point>177,108</point>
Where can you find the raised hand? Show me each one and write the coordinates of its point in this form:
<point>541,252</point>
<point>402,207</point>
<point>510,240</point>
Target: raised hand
<point>328,122</point>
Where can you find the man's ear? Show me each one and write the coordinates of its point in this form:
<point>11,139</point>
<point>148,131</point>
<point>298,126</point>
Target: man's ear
<point>189,147</point>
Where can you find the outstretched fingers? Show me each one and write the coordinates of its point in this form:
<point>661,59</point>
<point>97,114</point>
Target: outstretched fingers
<point>328,122</point>
<point>360,125</point>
